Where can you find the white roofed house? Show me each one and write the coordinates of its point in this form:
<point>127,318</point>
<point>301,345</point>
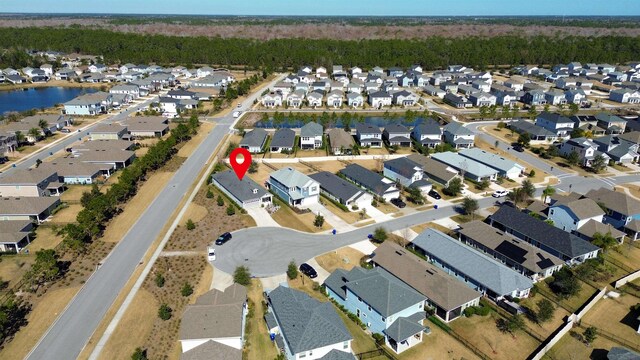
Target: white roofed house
<point>397,135</point>
<point>311,135</point>
<point>379,99</point>
<point>334,98</point>
<point>295,98</point>
<point>315,98</point>
<point>272,99</point>
<point>368,135</point>
<point>404,98</point>
<point>458,136</point>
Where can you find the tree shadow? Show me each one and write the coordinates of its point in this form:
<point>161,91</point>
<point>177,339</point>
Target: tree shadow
<point>631,319</point>
<point>599,354</point>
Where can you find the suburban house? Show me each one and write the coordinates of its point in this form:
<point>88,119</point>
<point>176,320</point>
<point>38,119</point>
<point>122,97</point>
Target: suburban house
<point>108,132</point>
<point>570,214</point>
<point>611,123</point>
<point>505,167</point>
<point>254,140</point>
<point>470,266</point>
<point>296,98</point>
<point>378,99</point>
<point>428,133</point>
<point>576,96</point>
<point>624,96</point>
<point>397,134</point>
<point>519,255</point>
<point>585,148</point>
<point>146,126</point>
<point>306,328</point>
<point>385,304</point>
<point>448,296</point>
<point>466,167</point>
<point>104,145</point>
<point>434,91</point>
<point>118,159</point>
<point>272,99</point>
<point>311,136</point>
<point>555,97</point>
<point>294,187</point>
<point>355,99</point>
<point>534,97</point>
<point>34,209</point>
<point>30,182</point>
<point>246,192</point>
<point>314,98</point>
<point>126,89</point>
<point>566,246</point>
<point>77,172</point>
<point>368,135</point>
<point>335,98</point>
<point>404,98</point>
<point>482,99</point>
<point>373,182</point>
<point>617,148</point>
<point>457,101</point>
<point>15,235</point>
<point>434,170</point>
<point>458,136</point>
<point>283,140</point>
<point>217,316</point>
<point>535,132</point>
<point>341,142</point>
<point>560,125</point>
<point>342,191</point>
<point>88,104</point>
<point>622,209</point>
<point>407,173</point>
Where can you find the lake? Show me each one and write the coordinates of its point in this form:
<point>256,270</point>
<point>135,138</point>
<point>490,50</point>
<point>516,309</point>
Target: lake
<point>38,98</point>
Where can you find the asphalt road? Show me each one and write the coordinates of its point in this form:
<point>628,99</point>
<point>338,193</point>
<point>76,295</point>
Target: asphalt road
<point>268,250</point>
<point>66,338</point>
<point>77,136</point>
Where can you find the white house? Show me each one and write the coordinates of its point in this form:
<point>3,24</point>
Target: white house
<point>482,99</point>
<point>294,187</point>
<point>355,99</point>
<point>272,99</point>
<point>625,96</point>
<point>404,98</point>
<point>379,99</point>
<point>459,136</point>
<point>334,98</point>
<point>556,123</point>
<point>311,136</point>
<point>407,173</point>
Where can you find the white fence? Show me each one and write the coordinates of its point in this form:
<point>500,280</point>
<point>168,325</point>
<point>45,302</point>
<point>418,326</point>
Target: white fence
<point>626,279</point>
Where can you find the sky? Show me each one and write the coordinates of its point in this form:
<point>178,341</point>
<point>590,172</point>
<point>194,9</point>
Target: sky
<point>328,7</point>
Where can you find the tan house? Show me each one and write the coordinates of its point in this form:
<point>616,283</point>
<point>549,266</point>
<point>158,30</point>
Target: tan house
<point>34,209</point>
<point>30,182</point>
<point>108,132</point>
<point>15,235</point>
<point>147,126</point>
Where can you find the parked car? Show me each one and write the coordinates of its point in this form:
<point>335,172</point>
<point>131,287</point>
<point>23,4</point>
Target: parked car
<point>211,253</point>
<point>308,270</point>
<point>223,238</point>
<point>68,150</point>
<point>518,148</point>
<point>398,202</point>
<point>239,105</point>
<point>500,193</point>
<point>434,194</point>
<point>3,159</point>
<point>65,130</point>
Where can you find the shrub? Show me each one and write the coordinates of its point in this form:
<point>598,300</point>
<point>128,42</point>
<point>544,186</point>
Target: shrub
<point>532,173</point>
<point>470,311</point>
<point>439,323</point>
<point>379,338</point>
<point>159,280</point>
<point>209,194</point>
<point>186,290</point>
<point>483,310</point>
<point>318,221</point>
<point>190,225</point>
<point>231,210</point>
<point>292,270</point>
<point>164,312</point>
<point>139,354</point>
<point>380,235</point>
<point>220,200</point>
<point>242,276</point>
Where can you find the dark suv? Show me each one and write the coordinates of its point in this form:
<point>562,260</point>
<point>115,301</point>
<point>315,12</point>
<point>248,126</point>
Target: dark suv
<point>223,238</point>
<point>398,202</point>
<point>434,194</point>
<point>308,270</point>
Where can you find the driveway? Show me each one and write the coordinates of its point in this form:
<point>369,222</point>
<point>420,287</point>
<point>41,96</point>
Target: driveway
<point>262,217</point>
<point>334,220</point>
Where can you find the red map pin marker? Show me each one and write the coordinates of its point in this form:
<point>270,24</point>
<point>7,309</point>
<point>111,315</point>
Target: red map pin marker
<point>240,168</point>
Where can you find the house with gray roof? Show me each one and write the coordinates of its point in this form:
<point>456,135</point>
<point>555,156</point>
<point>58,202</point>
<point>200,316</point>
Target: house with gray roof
<point>30,182</point>
<point>566,246</point>
<point>466,167</point>
<point>371,181</point>
<point>620,353</point>
<point>109,132</point>
<point>406,172</point>
<point>342,191</point>
<point>621,208</point>
<point>428,133</point>
<point>384,303</point>
<point>88,104</point>
<point>475,269</point>
<point>378,99</point>
<point>368,135</point>
<point>311,136</point>
<point>397,134</point>
<point>505,167</point>
<point>570,215</point>
<point>147,126</point>
<point>294,187</point>
<point>15,235</point>
<point>354,98</point>
<point>458,135</point>
<point>210,347</point>
<point>34,209</point>
<point>246,192</point>
<point>611,123</point>
<point>535,132</point>
<point>519,255</point>
<point>434,170</point>
<point>118,159</point>
<point>560,125</point>
<point>76,172</point>
<point>217,316</point>
<point>254,140</point>
<point>445,294</point>
<point>283,140</point>
<point>309,328</point>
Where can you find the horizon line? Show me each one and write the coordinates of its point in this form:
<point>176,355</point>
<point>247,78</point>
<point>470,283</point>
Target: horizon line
<point>52,14</point>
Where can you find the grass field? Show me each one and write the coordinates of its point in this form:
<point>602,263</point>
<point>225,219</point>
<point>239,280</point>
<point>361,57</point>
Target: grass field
<point>614,316</point>
<point>258,345</point>
<point>343,258</point>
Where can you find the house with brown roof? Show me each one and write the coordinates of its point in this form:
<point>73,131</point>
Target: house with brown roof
<point>573,214</point>
<point>448,296</point>
<point>108,132</point>
<point>521,256</point>
<point>78,172</point>
<point>30,182</point>
<point>34,209</point>
<point>217,316</point>
<point>621,208</point>
<point>341,141</point>
<point>104,145</point>
<point>435,170</point>
<point>15,235</point>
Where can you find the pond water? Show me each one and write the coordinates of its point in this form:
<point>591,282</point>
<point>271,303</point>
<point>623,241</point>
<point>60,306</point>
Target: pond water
<point>38,98</point>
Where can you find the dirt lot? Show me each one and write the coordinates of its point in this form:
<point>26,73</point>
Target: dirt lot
<point>12,267</point>
<point>258,344</point>
<point>213,220</point>
<point>615,316</point>
<point>343,258</point>
<point>482,332</point>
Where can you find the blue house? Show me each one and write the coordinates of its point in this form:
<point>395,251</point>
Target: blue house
<point>622,209</point>
<point>294,187</point>
<point>385,304</point>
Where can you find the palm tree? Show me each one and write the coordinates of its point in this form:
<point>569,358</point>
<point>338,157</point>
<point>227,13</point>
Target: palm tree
<point>35,133</point>
<point>42,124</point>
<point>548,191</point>
<point>20,138</point>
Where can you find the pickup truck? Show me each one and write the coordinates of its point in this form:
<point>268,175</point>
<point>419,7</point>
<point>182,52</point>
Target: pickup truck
<point>236,114</point>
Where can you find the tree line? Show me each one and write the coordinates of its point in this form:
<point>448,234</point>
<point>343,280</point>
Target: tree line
<point>432,53</point>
